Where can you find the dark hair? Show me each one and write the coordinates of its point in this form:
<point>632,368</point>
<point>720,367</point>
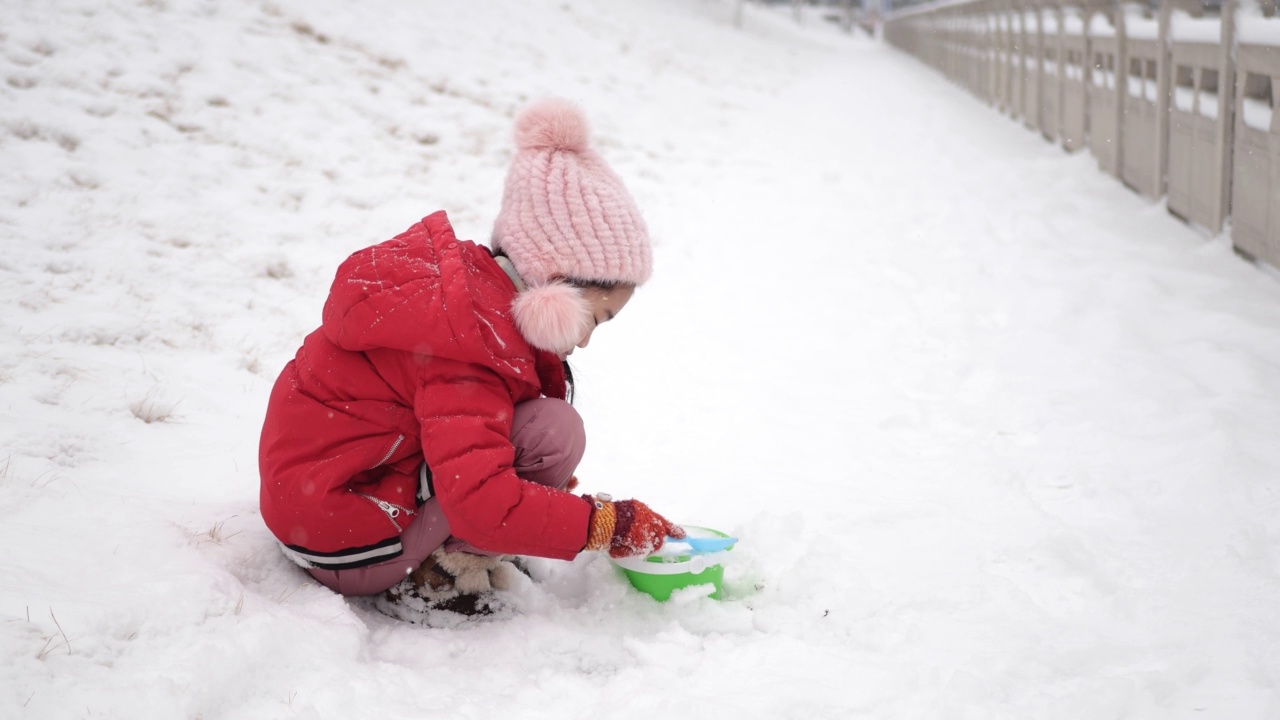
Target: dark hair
<point>568,382</point>
<point>595,284</point>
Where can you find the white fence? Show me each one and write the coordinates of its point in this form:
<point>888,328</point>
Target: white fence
<point>1174,103</point>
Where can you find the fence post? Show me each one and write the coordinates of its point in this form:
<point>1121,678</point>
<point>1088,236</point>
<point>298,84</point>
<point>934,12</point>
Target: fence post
<point>1032,63</point>
<point>1145,99</point>
<point>1122,89</point>
<point>1225,128</point>
<point>990,53</point>
<point>1164,96</point>
<point>1051,72</point>
<point>1074,63</point>
<point>1255,183</point>
<point>1105,27</point>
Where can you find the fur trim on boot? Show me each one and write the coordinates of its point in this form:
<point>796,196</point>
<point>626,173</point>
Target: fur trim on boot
<point>479,573</point>
<point>449,587</point>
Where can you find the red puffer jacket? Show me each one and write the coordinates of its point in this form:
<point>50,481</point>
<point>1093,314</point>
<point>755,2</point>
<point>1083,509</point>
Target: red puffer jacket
<point>417,360</point>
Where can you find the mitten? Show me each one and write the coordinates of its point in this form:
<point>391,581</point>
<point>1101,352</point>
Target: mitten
<point>626,528</point>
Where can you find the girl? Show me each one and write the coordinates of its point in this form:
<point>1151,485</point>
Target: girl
<point>423,428</point>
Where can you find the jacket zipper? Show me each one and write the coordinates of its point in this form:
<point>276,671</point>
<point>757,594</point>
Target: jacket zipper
<point>391,509</point>
<point>394,447</point>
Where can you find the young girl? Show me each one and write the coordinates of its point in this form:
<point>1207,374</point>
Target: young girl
<point>423,429</point>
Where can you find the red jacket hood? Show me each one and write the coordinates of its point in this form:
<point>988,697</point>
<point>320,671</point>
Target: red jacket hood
<point>426,292</point>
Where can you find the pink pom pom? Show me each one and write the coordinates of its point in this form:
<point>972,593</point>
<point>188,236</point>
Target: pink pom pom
<point>552,124</point>
<point>552,317</point>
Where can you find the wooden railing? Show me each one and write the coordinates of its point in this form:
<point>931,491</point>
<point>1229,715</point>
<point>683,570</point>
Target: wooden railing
<point>1177,102</point>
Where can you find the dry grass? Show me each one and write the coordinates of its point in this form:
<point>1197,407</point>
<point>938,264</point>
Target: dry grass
<point>288,593</point>
<point>54,640</point>
<point>216,534</point>
<point>154,409</point>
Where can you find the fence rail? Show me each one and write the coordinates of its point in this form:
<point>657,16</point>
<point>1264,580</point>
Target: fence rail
<point>1175,102</point>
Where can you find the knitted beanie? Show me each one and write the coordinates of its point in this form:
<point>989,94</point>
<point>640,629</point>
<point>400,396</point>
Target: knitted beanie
<point>565,217</point>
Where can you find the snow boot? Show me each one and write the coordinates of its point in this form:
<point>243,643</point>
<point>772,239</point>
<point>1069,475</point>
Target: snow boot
<point>453,583</point>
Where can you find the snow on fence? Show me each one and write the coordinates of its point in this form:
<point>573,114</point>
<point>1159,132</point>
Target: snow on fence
<point>1256,177</point>
<point>1032,67</point>
<point>1000,69</point>
<point>1198,174</point>
<point>1017,65</point>
<point>1143,119</point>
<point>1051,73</point>
<point>1103,103</point>
<point>1174,103</point>
<point>1075,76</point>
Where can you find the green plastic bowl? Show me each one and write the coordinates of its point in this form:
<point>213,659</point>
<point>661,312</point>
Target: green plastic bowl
<point>661,575</point>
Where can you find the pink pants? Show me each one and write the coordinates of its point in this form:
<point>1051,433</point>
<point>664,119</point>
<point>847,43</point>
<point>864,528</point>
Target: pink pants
<point>549,440</point>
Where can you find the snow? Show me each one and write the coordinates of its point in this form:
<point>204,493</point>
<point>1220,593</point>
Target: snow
<point>921,8</point>
<point>1254,29</point>
<point>1138,27</point>
<point>1141,87</point>
<point>1256,113</point>
<point>1184,98</point>
<point>996,434</point>
<point>1100,26</point>
<point>1209,103</point>
<point>1072,22</point>
<point>1185,28</point>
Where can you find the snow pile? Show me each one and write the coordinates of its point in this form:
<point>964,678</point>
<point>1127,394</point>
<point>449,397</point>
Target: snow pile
<point>1253,28</point>
<point>1185,28</point>
<point>996,435</point>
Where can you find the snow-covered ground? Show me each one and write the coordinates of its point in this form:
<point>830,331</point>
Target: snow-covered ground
<point>998,436</point>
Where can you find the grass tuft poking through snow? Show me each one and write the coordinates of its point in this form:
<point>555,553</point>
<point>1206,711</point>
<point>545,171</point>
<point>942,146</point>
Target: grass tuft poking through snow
<point>153,408</point>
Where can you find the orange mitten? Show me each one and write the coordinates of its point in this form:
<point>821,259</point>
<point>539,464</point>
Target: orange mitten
<point>626,528</point>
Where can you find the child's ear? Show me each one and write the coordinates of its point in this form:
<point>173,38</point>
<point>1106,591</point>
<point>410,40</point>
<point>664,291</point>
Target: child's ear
<point>553,316</point>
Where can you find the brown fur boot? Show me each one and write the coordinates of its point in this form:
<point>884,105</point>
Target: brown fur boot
<point>458,583</point>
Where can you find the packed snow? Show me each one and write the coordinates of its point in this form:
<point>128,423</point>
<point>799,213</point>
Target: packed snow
<point>1183,28</point>
<point>997,436</point>
<point>1253,28</point>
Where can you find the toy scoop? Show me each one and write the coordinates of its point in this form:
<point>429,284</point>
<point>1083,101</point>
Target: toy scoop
<point>691,545</point>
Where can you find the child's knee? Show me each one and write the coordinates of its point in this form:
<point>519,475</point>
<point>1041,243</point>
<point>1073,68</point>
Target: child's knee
<point>550,440</point>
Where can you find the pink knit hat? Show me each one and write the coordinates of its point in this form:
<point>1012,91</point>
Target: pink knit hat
<point>565,217</point>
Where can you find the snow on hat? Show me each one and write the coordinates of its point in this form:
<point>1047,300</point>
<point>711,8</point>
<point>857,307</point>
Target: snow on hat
<point>565,216</point>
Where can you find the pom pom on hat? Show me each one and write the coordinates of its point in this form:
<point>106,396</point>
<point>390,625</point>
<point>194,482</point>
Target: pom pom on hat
<point>565,214</point>
<point>552,124</point>
<point>552,317</point>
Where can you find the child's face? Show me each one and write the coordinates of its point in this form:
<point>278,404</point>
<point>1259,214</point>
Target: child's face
<point>605,305</point>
